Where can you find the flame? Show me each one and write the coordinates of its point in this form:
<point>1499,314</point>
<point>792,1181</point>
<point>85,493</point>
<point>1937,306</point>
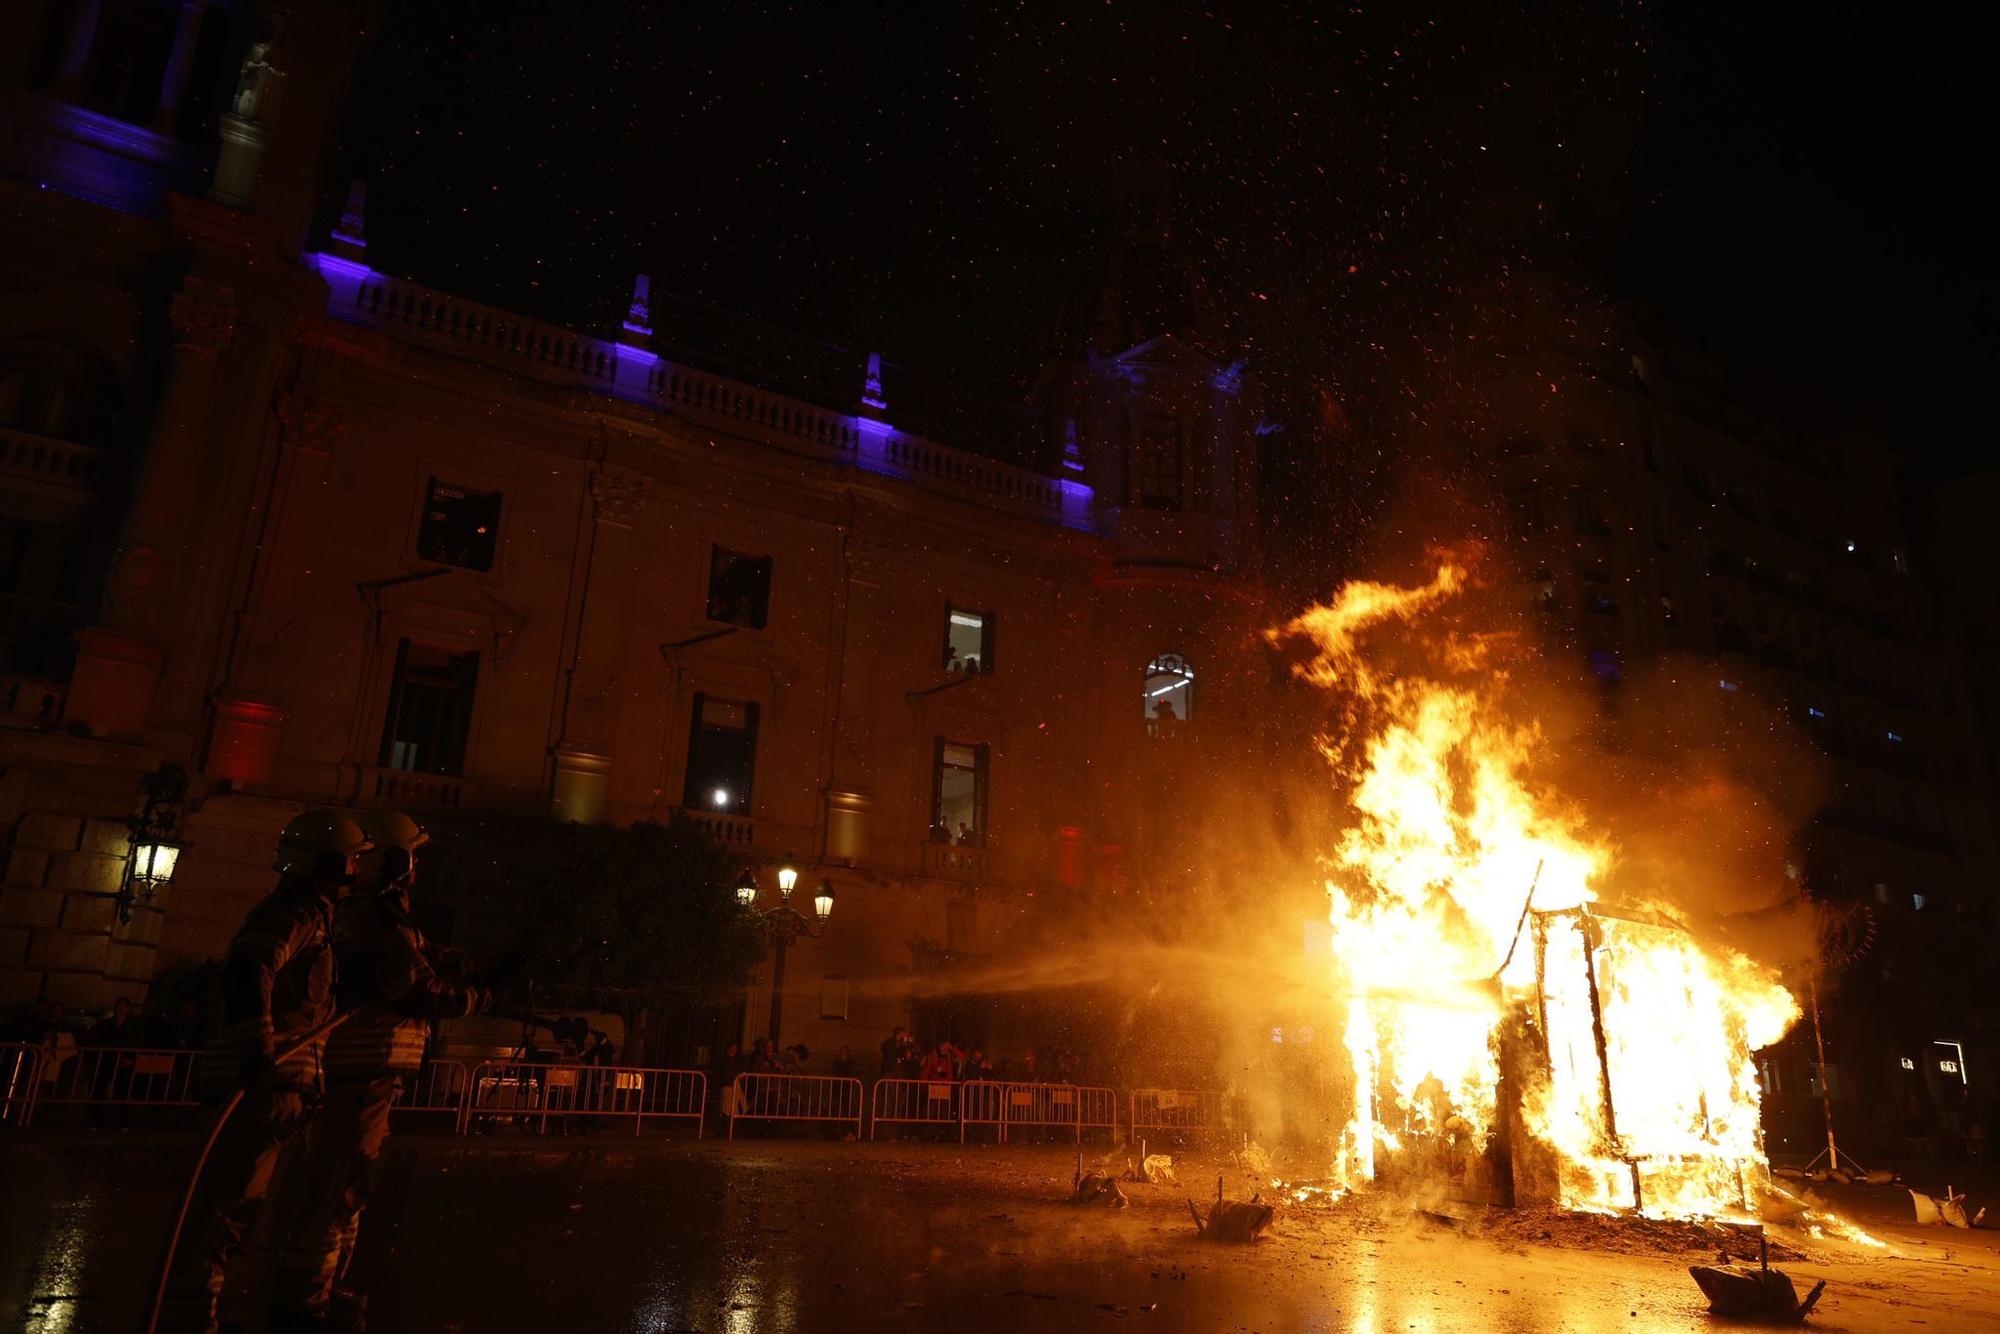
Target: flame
<point>1467,929</point>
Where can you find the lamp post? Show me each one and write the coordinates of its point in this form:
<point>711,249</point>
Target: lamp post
<point>155,848</point>
<point>784,924</point>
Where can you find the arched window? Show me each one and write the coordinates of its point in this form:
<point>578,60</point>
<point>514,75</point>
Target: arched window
<point>33,400</point>
<point>1168,695</point>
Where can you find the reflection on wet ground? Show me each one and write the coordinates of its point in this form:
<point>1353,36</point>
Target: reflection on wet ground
<point>532,1235</point>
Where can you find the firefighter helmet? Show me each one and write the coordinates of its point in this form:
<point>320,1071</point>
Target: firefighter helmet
<point>396,838</point>
<point>320,842</point>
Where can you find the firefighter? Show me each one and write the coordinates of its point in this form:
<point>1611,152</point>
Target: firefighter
<point>276,983</point>
<point>389,978</point>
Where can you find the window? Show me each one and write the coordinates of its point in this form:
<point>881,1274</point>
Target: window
<point>1160,463</point>
<point>34,400</point>
<point>958,794</point>
<point>739,588</point>
<point>1168,694</point>
<point>833,996</point>
<point>430,710</point>
<point>1727,685</point>
<point>1590,514</point>
<point>968,641</point>
<point>1605,666</point>
<point>722,756</point>
<point>1524,508</point>
<point>460,527</point>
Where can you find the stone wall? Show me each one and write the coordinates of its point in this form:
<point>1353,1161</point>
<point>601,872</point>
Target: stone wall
<point>60,935</point>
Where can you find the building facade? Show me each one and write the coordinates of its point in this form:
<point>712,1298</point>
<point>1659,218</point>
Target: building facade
<point>1654,523</point>
<point>326,536</point>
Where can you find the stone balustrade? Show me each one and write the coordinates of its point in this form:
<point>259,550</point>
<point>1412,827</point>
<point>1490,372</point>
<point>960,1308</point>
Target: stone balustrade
<point>493,337</point>
<point>62,463</point>
<point>402,790</point>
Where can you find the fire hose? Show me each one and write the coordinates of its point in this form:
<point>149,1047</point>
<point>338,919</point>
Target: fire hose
<point>288,1048</point>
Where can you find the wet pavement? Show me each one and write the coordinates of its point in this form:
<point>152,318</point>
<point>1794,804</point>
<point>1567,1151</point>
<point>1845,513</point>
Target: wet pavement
<point>605,1233</point>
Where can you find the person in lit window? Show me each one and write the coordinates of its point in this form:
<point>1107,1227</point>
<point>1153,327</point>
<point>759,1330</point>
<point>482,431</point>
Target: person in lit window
<point>1164,712</point>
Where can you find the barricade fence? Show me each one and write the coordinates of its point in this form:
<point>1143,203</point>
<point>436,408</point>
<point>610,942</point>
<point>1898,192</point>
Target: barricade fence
<point>1177,1111</point>
<point>916,1102</point>
<point>124,1077</point>
<point>20,1081</point>
<point>826,1099</point>
<point>536,1092</point>
<point>438,1087</point>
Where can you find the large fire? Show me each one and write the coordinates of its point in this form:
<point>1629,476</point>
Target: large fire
<point>1469,938</point>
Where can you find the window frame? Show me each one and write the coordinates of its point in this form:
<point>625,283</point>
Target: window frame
<point>762,619</point>
<point>434,480</point>
<point>1162,664</point>
<point>982,778</point>
<point>744,807</point>
<point>1153,449</point>
<point>986,627</point>
<point>393,707</point>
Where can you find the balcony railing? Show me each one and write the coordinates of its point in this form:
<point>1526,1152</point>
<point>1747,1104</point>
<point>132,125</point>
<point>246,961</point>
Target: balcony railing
<point>406,791</point>
<point>60,463</point>
<point>731,831</point>
<point>956,861</point>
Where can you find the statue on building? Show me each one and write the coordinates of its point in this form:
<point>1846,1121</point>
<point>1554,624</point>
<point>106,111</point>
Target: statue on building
<point>256,85</point>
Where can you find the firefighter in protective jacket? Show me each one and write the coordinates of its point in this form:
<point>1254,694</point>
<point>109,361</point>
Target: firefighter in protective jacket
<point>388,977</point>
<point>276,984</point>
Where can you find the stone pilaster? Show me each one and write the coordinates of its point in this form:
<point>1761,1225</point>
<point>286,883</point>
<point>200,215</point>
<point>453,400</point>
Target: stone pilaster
<point>591,706</point>
<point>252,705</point>
<point>851,787</point>
<point>119,658</point>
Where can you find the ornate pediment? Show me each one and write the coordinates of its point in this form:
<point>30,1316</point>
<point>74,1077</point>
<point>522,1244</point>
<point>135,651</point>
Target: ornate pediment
<point>1166,352</point>
<point>729,654</point>
<point>965,706</point>
<point>446,600</point>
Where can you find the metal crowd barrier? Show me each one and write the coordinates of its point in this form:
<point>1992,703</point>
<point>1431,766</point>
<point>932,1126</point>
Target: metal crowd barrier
<point>536,1092</point>
<point>1186,1111</point>
<point>915,1102</point>
<point>983,1102</point>
<point>20,1082</point>
<point>1010,1107</point>
<point>771,1097</point>
<point>440,1086</point>
<point>1096,1109</point>
<point>125,1077</point>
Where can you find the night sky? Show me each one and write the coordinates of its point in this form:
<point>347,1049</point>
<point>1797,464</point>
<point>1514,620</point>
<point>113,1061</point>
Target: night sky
<point>1791,191</point>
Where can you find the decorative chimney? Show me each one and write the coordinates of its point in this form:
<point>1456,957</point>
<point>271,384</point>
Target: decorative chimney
<point>350,235</point>
<point>638,329</point>
<point>872,402</point>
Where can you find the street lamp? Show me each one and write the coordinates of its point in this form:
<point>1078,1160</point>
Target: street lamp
<point>154,850</point>
<point>783,925</point>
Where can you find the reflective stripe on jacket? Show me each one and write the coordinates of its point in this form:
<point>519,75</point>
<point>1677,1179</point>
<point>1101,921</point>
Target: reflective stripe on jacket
<point>386,971</point>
